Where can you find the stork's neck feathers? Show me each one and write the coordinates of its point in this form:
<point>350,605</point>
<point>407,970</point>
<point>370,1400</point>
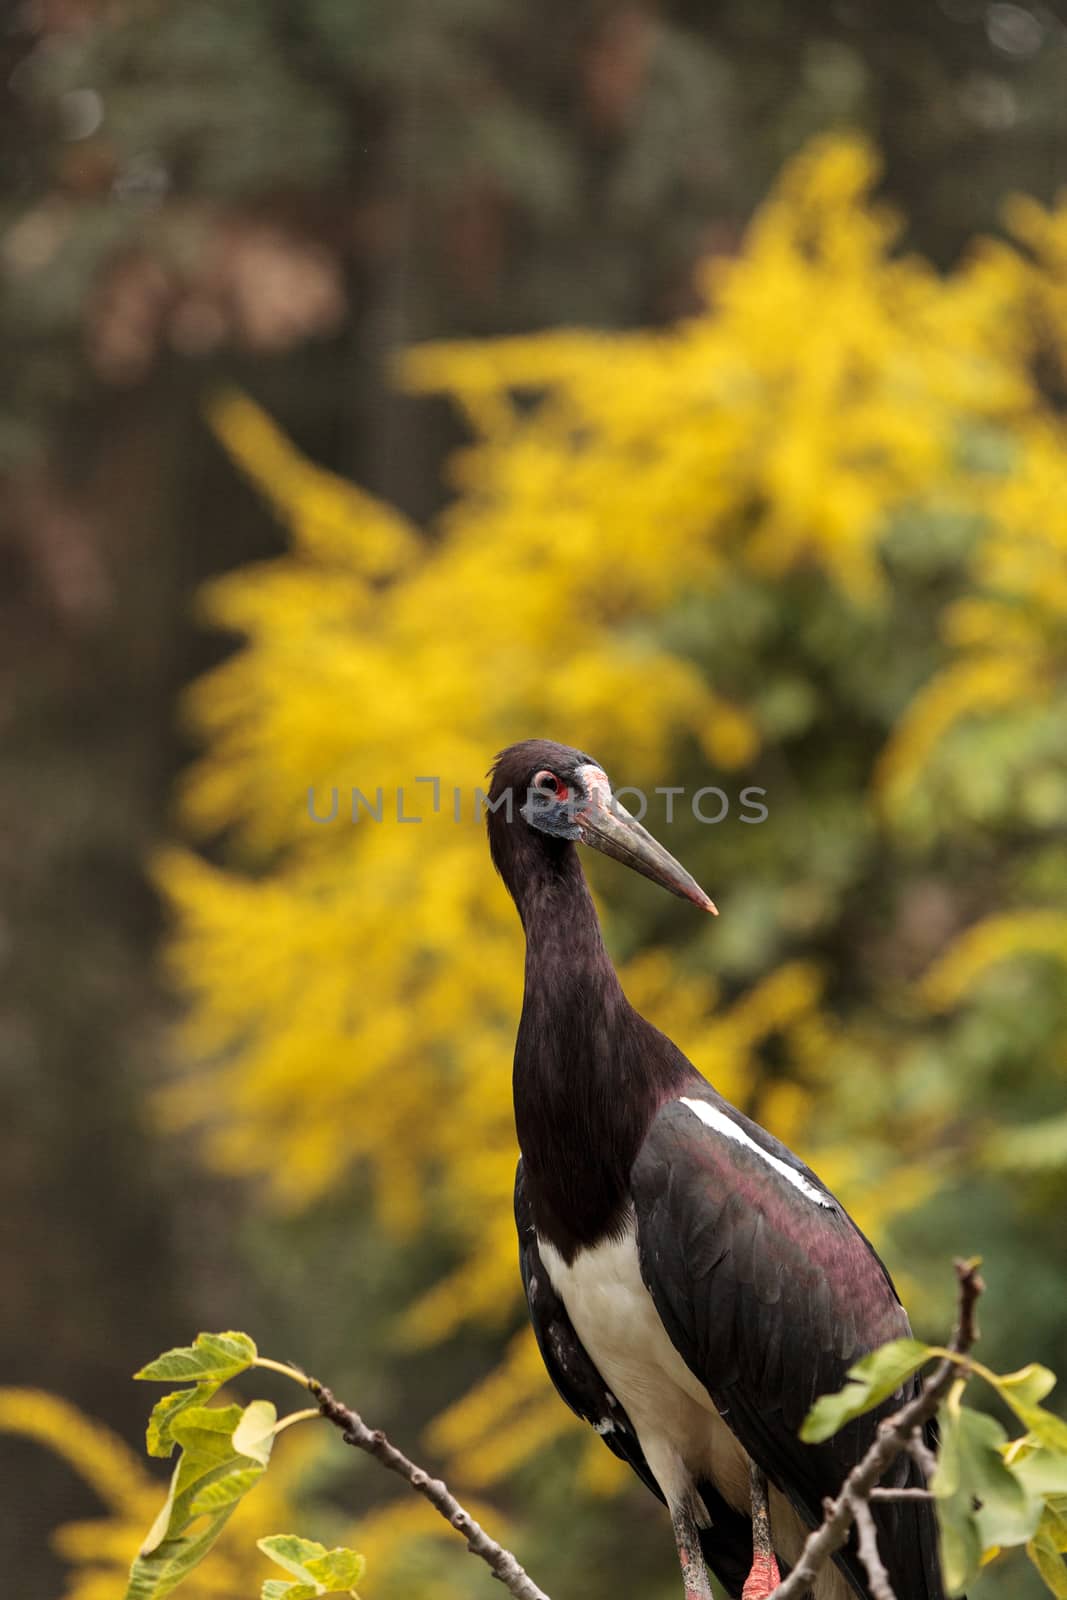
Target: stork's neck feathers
<point>590,1073</point>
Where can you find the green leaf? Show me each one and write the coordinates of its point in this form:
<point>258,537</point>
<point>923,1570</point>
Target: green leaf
<point>1046,1428</point>
<point>212,1474</point>
<point>212,1357</point>
<point>869,1382</point>
<point>1054,1522</point>
<point>158,1531</point>
<point>205,1433</point>
<point>338,1570</point>
<point>288,1550</point>
<point>1044,1472</point>
<point>318,1571</point>
<point>254,1434</point>
<point>207,1364</point>
<point>1030,1384</point>
<point>156,1572</point>
<point>1045,1551</point>
<point>1007,1514</point>
<point>224,1490</point>
<point>216,1472</point>
<point>961,1545</point>
<point>982,1503</point>
<point>1022,1391</point>
<point>160,1441</point>
<point>946,1478</point>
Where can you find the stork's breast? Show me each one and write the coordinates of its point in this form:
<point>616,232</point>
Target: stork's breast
<point>681,1433</point>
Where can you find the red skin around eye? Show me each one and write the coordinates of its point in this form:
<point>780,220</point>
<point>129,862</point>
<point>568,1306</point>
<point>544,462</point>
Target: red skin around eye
<point>559,789</point>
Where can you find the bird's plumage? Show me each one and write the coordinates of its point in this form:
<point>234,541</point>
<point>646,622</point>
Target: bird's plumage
<point>770,1296</point>
<point>646,1204</point>
<point>578,1382</point>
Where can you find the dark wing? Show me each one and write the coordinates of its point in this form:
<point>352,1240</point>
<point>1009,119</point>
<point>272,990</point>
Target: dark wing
<point>729,1541</point>
<point>770,1293</point>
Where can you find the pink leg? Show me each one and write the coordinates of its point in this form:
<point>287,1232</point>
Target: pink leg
<point>764,1577</point>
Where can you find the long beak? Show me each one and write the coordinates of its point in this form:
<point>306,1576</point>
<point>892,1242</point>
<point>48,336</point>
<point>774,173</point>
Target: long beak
<point>609,827</point>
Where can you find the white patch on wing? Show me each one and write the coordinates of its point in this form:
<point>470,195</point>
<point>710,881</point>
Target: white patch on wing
<point>712,1117</point>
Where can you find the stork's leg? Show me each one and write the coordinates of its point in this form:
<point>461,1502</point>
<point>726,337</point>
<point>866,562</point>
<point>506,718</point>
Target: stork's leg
<point>764,1578</point>
<point>687,1538</point>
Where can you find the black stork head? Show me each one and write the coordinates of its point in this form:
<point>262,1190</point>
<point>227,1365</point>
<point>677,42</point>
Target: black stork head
<point>544,799</point>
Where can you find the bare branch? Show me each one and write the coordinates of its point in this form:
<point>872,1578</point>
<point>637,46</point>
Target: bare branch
<point>501,1562</point>
<point>895,1435</point>
<point>900,1494</point>
<point>921,1453</point>
<point>867,1538</point>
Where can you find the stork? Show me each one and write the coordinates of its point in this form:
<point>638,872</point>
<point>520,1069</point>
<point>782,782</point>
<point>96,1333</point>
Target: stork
<point>693,1286</point>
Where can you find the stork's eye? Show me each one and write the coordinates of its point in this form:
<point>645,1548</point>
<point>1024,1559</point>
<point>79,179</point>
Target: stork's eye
<point>548,783</point>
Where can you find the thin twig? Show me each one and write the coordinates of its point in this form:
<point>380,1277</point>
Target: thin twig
<point>286,1368</point>
<point>867,1541</point>
<point>894,1437</point>
<point>921,1453</point>
<point>900,1494</point>
<point>501,1562</point>
<point>294,1416</point>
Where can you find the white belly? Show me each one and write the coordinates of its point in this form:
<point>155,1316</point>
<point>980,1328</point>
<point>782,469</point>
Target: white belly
<point>682,1435</point>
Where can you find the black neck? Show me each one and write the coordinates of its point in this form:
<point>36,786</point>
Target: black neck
<point>590,1073</point>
